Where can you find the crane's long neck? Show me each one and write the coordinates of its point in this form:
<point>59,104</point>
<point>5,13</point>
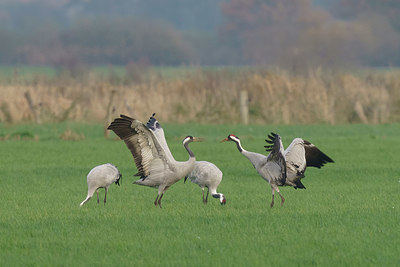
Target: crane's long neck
<point>214,193</point>
<point>191,154</point>
<point>251,156</point>
<point>183,168</point>
<point>220,196</point>
<point>239,146</point>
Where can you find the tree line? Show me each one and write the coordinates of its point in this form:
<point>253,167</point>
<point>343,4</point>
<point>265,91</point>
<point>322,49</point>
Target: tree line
<point>292,34</point>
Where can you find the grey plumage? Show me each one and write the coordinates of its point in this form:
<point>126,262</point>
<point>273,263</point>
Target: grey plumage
<point>154,161</point>
<point>206,174</point>
<point>272,168</point>
<point>101,176</point>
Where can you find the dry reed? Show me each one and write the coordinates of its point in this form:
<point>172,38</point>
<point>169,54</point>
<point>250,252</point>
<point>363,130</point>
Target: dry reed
<point>212,97</point>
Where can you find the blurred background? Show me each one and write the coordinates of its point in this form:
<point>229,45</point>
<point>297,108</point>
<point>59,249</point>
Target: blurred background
<point>265,47</point>
<point>287,33</point>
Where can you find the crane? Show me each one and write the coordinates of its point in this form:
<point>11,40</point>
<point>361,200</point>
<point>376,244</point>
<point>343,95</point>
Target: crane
<point>156,166</point>
<point>299,155</point>
<point>101,176</point>
<point>206,174</point>
<point>272,168</point>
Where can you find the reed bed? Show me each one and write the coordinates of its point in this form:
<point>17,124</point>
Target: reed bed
<point>207,96</point>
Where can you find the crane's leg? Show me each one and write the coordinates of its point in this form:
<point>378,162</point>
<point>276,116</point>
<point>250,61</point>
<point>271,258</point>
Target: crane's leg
<point>161,191</point>
<point>159,200</point>
<point>202,189</point>
<point>282,198</point>
<point>97,192</point>
<point>155,201</point>
<point>105,196</point>
<point>273,195</point>
<point>208,190</point>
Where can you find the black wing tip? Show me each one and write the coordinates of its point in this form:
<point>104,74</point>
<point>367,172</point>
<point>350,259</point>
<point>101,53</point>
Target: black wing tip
<point>152,123</point>
<point>269,148</point>
<point>322,163</point>
<point>326,159</point>
<point>122,118</point>
<point>314,156</point>
<point>272,136</point>
<point>330,160</point>
<point>271,141</point>
<point>299,185</point>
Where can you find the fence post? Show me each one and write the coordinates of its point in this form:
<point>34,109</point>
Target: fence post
<point>32,107</point>
<point>244,107</point>
<point>360,112</point>
<point>109,114</point>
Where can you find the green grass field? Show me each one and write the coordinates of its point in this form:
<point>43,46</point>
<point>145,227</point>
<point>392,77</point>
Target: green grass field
<point>349,214</point>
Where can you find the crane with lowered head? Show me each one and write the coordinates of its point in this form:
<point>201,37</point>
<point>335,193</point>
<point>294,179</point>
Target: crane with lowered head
<point>101,176</point>
<point>206,174</point>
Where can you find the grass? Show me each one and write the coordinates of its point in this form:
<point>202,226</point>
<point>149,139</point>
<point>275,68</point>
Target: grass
<point>347,216</point>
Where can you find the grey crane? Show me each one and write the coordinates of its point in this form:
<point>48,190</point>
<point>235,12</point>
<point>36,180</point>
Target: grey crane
<point>101,176</point>
<point>272,168</point>
<point>206,174</point>
<point>154,161</point>
<point>299,155</point>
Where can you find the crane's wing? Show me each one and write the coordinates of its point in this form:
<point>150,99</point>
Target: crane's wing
<point>314,156</point>
<point>149,156</point>
<point>296,157</point>
<point>154,126</point>
<point>276,156</point>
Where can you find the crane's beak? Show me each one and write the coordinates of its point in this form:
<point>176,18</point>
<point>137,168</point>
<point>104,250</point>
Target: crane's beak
<point>224,140</point>
<point>198,139</point>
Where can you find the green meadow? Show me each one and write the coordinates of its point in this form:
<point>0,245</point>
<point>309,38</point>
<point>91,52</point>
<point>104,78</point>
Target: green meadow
<point>349,215</point>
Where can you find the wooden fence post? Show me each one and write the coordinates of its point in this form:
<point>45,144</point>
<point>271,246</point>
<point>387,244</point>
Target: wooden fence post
<point>109,114</point>
<point>32,107</point>
<point>360,112</point>
<point>244,107</point>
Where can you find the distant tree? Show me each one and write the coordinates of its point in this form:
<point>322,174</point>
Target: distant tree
<point>70,32</point>
<point>349,9</point>
<point>194,15</point>
<point>124,40</point>
<point>7,44</point>
<point>296,34</point>
<point>383,18</point>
